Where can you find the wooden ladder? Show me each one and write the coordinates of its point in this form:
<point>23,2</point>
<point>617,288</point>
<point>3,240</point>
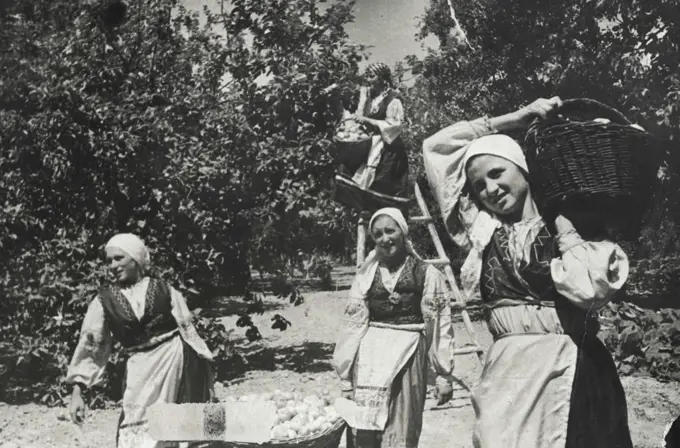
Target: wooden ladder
<point>458,303</point>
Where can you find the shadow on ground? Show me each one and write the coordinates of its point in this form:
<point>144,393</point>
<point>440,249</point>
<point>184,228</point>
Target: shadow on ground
<point>310,357</point>
<point>233,306</point>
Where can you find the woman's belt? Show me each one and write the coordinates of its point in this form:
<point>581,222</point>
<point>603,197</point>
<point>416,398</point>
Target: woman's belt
<point>402,327</point>
<point>152,343</point>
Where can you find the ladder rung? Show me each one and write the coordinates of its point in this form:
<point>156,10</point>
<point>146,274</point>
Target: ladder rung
<point>469,349</point>
<point>420,219</point>
<point>458,305</point>
<point>438,261</point>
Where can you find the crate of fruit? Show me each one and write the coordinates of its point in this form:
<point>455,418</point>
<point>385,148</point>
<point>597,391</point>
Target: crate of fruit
<point>270,420</point>
<point>352,144</point>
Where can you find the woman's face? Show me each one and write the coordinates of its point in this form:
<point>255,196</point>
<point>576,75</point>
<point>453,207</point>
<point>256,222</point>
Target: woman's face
<point>374,82</point>
<point>122,266</point>
<point>390,241</point>
<point>498,183</point>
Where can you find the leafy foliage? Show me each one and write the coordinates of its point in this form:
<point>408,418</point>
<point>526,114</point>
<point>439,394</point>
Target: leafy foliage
<point>623,54</point>
<point>207,140</point>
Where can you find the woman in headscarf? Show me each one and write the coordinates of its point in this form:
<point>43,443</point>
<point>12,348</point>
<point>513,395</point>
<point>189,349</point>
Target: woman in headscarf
<point>386,169</point>
<point>168,362</point>
<point>396,320</point>
<point>548,381</point>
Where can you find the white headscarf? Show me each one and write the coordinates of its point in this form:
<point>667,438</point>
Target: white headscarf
<point>498,145</point>
<point>393,213</point>
<point>134,247</point>
<point>366,272</point>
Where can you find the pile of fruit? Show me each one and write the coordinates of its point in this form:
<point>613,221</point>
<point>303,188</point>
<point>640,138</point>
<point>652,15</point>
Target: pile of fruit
<point>351,131</point>
<point>298,416</point>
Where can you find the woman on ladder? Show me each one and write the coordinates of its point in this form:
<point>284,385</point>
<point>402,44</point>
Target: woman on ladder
<point>548,381</point>
<point>386,169</point>
<point>397,321</point>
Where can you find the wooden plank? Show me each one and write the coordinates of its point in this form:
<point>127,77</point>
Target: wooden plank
<point>361,241</point>
<point>468,350</point>
<point>457,295</point>
<point>419,219</point>
<point>438,261</point>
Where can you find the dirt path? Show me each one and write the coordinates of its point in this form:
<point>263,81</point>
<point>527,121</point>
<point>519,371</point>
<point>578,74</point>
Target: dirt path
<point>299,359</point>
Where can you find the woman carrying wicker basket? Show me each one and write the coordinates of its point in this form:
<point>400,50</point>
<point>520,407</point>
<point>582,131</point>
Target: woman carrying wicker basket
<point>386,169</point>
<point>397,318</point>
<point>168,363</point>
<point>548,381</point>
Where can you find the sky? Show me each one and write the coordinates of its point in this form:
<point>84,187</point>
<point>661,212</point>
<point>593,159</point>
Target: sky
<point>388,26</point>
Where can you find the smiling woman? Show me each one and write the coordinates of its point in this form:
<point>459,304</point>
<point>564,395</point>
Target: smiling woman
<point>395,299</point>
<point>542,286</point>
<point>168,361</point>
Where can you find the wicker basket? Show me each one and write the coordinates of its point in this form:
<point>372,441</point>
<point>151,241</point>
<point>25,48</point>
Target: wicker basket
<point>603,168</point>
<point>352,154</point>
<point>326,439</point>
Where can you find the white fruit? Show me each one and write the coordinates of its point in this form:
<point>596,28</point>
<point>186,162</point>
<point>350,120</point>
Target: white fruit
<point>302,407</point>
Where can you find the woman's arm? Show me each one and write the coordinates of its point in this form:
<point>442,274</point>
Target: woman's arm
<point>390,128</point>
<point>589,273</point>
<point>354,326</point>
<point>93,349</point>
<point>438,326</point>
<point>439,332</point>
<point>187,330</point>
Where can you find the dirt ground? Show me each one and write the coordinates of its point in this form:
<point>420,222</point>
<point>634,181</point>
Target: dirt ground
<point>299,358</point>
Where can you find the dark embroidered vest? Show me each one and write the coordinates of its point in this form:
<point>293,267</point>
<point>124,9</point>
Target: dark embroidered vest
<point>381,113</point>
<point>403,305</point>
<point>532,282</point>
<point>499,279</point>
<point>124,324</point>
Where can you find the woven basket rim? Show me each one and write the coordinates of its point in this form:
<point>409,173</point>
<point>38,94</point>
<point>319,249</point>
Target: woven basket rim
<point>338,426</point>
<point>584,104</point>
<point>336,139</point>
<point>542,131</point>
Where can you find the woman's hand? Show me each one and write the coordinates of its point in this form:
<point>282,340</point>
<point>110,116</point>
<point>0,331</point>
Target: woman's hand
<point>541,108</point>
<point>76,408</point>
<point>567,236</point>
<point>358,118</point>
<point>564,225</point>
<point>521,119</point>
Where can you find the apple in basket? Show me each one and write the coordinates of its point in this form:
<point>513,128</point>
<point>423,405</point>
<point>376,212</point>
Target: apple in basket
<point>351,131</point>
<point>299,416</point>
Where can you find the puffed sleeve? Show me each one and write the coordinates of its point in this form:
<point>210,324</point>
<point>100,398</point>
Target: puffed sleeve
<point>354,326</point>
<point>391,127</point>
<point>187,330</point>
<point>439,328</point>
<point>93,350</point>
<point>443,161</point>
<point>589,273</point>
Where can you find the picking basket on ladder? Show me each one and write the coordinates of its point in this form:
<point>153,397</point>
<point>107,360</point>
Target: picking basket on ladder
<point>352,144</point>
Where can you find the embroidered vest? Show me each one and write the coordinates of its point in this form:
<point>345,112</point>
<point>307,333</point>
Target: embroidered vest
<point>382,110</point>
<point>532,282</point>
<point>403,305</point>
<point>124,324</point>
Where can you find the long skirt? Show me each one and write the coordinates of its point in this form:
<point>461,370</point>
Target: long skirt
<point>171,372</point>
<point>407,403</point>
<point>386,169</point>
<point>547,390</point>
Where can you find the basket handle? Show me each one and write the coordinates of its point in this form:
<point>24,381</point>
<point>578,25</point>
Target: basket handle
<point>586,104</point>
